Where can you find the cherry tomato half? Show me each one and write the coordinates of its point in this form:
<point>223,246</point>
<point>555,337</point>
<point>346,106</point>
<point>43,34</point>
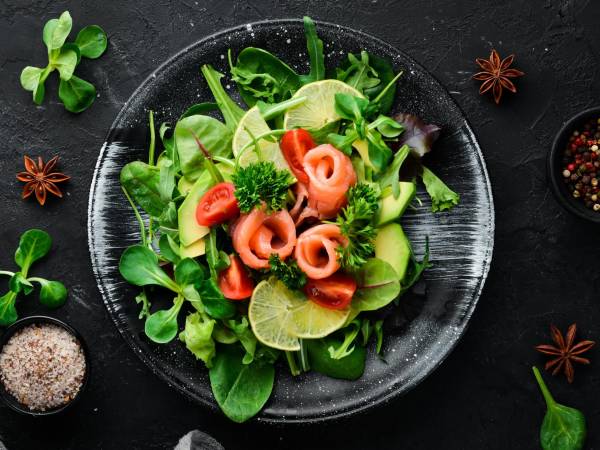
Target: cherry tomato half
<point>294,145</point>
<point>234,282</point>
<point>333,292</point>
<point>218,205</point>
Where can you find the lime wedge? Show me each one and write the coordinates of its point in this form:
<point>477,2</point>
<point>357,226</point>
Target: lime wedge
<point>319,107</point>
<point>270,314</point>
<point>279,316</point>
<point>254,123</point>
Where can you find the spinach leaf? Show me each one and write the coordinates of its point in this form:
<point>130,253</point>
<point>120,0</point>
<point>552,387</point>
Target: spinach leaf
<point>232,113</point>
<point>391,175</point>
<point>442,197</point>
<point>563,428</point>
<point>197,336</point>
<point>166,180</point>
<point>188,271</point>
<point>56,31</point>
<point>76,94</point>
<point>350,367</point>
<point>142,182</point>
<point>262,76</point>
<point>139,266</point>
<point>315,53</point>
<point>215,304</point>
<point>52,293</point>
<point>241,390</point>
<point>33,245</point>
<point>211,133</point>
<point>161,326</point>
<point>377,284</point>
<point>8,312</point>
<point>91,41</point>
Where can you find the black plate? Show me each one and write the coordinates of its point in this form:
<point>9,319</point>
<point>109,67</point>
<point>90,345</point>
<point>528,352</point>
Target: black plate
<point>461,241</point>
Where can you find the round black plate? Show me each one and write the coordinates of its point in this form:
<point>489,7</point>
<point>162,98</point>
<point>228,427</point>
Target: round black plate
<point>461,241</point>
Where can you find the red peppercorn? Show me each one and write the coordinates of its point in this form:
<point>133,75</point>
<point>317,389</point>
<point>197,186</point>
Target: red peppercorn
<point>571,167</point>
<point>594,155</point>
<point>589,166</point>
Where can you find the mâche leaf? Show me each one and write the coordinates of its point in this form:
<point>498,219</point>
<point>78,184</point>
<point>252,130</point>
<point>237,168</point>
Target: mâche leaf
<point>33,245</point>
<point>161,326</point>
<point>91,41</point>
<point>139,266</point>
<point>76,94</point>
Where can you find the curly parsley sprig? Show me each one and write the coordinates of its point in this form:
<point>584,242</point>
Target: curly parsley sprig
<point>356,224</point>
<point>261,182</point>
<point>287,272</point>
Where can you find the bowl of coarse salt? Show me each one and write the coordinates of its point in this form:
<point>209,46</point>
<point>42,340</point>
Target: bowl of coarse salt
<point>44,366</point>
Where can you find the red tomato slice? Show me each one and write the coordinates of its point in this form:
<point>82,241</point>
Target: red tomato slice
<point>333,292</point>
<point>234,282</point>
<point>294,145</point>
<point>218,205</point>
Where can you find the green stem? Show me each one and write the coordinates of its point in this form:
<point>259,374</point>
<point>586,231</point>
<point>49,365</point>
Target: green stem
<point>152,139</point>
<point>226,161</point>
<point>545,392</point>
<point>387,88</point>
<point>304,356</point>
<point>257,149</point>
<point>137,216</point>
<point>7,273</point>
<point>291,359</point>
<point>270,111</point>
<point>37,279</point>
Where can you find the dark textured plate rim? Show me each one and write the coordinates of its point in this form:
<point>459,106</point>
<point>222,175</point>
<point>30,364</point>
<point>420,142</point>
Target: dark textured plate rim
<point>374,401</point>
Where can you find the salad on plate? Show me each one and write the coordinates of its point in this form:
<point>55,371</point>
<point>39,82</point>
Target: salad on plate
<point>276,227</point>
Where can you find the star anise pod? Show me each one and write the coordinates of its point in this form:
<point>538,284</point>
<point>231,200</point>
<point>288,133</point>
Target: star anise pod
<point>496,75</point>
<point>40,179</point>
<point>566,351</point>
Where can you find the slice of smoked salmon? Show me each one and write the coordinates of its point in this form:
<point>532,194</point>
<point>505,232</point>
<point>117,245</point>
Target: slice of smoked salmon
<point>257,235</point>
<point>330,174</point>
<point>316,250</point>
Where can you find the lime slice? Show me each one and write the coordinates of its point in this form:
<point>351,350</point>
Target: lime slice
<point>270,314</point>
<point>279,316</point>
<point>313,321</point>
<point>253,122</point>
<point>319,107</point>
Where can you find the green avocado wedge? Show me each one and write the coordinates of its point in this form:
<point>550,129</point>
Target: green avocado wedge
<point>392,208</point>
<point>393,247</point>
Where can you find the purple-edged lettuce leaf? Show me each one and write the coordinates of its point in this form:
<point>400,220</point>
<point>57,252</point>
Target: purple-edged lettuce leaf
<point>417,135</point>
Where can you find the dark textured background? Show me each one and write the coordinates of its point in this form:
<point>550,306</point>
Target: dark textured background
<point>545,261</point>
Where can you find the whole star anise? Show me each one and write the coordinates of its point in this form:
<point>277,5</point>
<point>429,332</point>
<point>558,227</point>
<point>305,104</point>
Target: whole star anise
<point>496,75</point>
<point>40,179</point>
<point>566,351</point>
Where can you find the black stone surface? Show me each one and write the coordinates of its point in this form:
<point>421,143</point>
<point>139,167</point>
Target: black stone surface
<point>544,269</point>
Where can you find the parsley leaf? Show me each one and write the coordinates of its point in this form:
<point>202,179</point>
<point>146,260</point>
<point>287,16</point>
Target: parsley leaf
<point>261,182</point>
<point>288,273</point>
<point>355,222</point>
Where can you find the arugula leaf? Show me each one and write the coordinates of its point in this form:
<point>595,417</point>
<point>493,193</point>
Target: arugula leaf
<point>287,272</point>
<point>442,197</point>
<point>355,222</point>
<point>261,182</point>
<point>197,336</point>
<point>315,53</point>
<point>232,113</point>
<point>350,335</point>
<point>384,93</point>
<point>262,76</point>
<point>391,176</point>
<point>358,73</point>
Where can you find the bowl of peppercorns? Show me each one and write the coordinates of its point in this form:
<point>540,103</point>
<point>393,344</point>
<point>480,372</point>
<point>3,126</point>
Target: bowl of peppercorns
<point>574,165</point>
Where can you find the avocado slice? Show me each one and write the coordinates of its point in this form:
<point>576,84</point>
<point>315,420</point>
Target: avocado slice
<point>184,186</point>
<point>198,248</point>
<point>362,147</point>
<point>189,230</point>
<point>393,247</point>
<point>392,208</point>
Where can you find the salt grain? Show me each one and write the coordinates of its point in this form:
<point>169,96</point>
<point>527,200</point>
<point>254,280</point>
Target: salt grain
<point>42,366</point>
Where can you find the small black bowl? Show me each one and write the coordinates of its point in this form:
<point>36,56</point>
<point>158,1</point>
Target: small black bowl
<point>555,167</point>
<point>22,323</point>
